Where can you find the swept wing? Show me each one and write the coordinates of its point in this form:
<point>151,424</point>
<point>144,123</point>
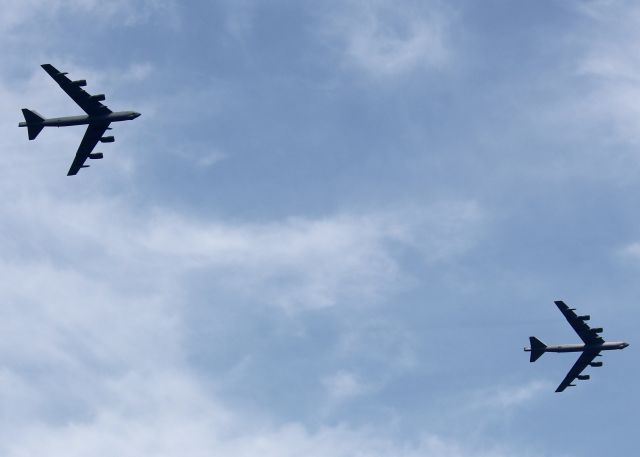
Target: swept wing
<point>583,361</point>
<point>586,333</point>
<point>89,140</point>
<point>89,103</point>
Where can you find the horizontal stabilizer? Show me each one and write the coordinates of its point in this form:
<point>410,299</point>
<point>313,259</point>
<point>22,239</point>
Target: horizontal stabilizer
<point>34,123</point>
<point>34,130</point>
<point>537,348</point>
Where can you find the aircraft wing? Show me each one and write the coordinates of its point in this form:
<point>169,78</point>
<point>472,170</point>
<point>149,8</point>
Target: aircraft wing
<point>583,361</point>
<point>89,140</point>
<point>89,103</point>
<point>586,333</point>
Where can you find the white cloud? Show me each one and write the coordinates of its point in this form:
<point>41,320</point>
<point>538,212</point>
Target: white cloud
<point>169,416</point>
<point>300,263</point>
<point>138,71</point>
<point>381,341</point>
<point>387,39</point>
<point>16,14</point>
<point>611,64</point>
<point>343,386</point>
<point>202,155</point>
<point>480,409</point>
<point>630,251</point>
<point>503,397</point>
<point>295,264</point>
<point>239,17</point>
<point>92,348</point>
<point>597,8</point>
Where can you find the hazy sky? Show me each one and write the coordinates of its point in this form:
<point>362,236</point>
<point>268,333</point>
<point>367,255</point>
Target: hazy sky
<point>329,234</point>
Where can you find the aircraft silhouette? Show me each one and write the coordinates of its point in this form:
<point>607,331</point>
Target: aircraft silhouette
<point>97,119</point>
<point>593,345</point>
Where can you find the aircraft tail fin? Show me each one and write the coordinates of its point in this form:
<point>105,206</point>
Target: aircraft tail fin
<point>537,348</point>
<point>34,123</point>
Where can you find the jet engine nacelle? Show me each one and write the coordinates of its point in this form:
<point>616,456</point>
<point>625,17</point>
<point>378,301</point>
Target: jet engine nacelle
<point>98,97</point>
<point>80,82</point>
<point>583,377</point>
<point>584,318</point>
<point>595,364</point>
<point>596,330</point>
<point>96,155</point>
<point>107,139</point>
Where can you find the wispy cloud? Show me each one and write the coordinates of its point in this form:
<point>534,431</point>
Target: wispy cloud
<point>480,410</point>
<point>169,416</point>
<point>295,264</point>
<point>387,39</point>
<point>96,346</point>
<point>343,386</point>
<point>611,63</point>
<point>505,398</point>
<point>239,17</point>
<point>16,14</point>
<point>630,251</point>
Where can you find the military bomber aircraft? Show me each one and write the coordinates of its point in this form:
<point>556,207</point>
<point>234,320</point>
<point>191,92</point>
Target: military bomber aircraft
<point>97,119</point>
<point>593,345</point>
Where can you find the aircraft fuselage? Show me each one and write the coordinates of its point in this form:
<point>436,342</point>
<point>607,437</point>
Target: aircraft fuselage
<point>608,346</point>
<point>84,120</point>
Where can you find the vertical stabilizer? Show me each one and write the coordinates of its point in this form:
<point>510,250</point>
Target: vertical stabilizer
<point>537,348</point>
<point>34,123</point>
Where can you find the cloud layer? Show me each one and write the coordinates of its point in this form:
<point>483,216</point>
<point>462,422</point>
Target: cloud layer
<point>359,273</point>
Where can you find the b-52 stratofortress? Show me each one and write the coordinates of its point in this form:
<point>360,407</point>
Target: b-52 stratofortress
<point>593,345</point>
<point>97,119</point>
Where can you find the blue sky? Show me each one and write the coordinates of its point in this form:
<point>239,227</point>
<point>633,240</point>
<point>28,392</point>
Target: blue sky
<point>330,233</point>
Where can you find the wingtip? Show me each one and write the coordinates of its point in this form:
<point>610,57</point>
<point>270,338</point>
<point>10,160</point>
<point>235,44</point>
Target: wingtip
<point>53,71</point>
<point>562,388</point>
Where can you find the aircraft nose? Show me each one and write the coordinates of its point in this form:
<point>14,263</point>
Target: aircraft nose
<point>136,115</point>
